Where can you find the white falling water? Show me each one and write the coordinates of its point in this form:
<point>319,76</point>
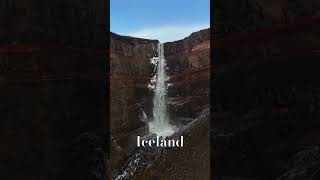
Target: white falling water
<point>160,124</point>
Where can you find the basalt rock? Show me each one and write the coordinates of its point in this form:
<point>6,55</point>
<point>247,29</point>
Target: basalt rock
<point>130,98</point>
<point>249,15</point>
<point>131,56</point>
<point>188,62</point>
<point>190,53</point>
<point>71,23</point>
<point>171,163</point>
<point>266,105</point>
<point>53,90</point>
<point>130,75</point>
<point>303,165</point>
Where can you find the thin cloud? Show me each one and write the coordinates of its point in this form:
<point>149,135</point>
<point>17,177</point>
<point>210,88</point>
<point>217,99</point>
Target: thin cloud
<point>168,33</point>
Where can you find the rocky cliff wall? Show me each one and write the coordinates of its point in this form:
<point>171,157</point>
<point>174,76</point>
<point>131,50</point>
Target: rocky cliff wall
<point>131,56</point>
<point>53,90</point>
<point>131,72</point>
<point>266,97</point>
<point>191,53</point>
<point>248,15</point>
<point>66,22</point>
<point>188,61</point>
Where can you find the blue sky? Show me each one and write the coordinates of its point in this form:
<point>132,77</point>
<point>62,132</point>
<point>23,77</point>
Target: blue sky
<point>165,20</point>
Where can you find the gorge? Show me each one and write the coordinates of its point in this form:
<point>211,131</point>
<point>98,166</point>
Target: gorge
<point>180,71</point>
<point>53,76</point>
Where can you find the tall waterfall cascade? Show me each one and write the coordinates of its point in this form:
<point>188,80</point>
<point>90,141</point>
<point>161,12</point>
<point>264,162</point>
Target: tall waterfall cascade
<point>160,124</point>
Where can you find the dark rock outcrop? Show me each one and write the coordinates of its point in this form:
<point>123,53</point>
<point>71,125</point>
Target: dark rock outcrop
<point>266,93</point>
<point>131,72</point>
<point>305,164</point>
<point>190,53</point>
<point>171,163</point>
<point>131,56</point>
<point>190,162</point>
<point>66,22</point>
<point>188,61</point>
<point>53,90</point>
<point>249,15</point>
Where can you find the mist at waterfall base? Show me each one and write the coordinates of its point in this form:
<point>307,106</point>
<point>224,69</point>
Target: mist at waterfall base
<point>160,124</point>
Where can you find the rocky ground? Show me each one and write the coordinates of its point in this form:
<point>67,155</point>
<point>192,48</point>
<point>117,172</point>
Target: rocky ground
<point>190,162</point>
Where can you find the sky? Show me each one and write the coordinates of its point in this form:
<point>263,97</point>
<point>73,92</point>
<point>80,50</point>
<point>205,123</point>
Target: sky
<point>165,20</point>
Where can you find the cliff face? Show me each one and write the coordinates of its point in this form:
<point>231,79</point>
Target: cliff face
<point>131,56</point>
<point>66,22</point>
<point>188,61</point>
<point>248,15</point>
<point>131,72</point>
<point>53,111</point>
<point>266,96</point>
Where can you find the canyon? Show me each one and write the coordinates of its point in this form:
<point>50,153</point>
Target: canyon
<point>54,71</point>
<point>188,69</point>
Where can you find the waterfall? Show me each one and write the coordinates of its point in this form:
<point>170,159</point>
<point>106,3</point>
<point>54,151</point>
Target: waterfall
<point>160,124</point>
